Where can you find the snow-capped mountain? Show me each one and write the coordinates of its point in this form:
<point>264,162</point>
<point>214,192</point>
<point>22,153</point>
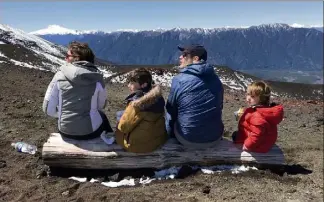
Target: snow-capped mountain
<point>267,46</point>
<point>22,49</point>
<point>27,50</point>
<point>59,30</point>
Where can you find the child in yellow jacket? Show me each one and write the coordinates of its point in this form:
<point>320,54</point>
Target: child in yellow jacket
<point>141,127</point>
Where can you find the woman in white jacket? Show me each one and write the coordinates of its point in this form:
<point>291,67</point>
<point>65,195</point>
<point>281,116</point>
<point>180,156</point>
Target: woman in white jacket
<point>77,95</point>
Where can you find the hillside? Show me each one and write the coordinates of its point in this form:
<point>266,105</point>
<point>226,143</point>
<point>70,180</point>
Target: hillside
<point>26,50</point>
<point>268,46</point>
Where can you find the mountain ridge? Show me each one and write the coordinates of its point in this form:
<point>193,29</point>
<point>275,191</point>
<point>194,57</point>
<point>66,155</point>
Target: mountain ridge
<point>24,50</point>
<point>57,29</point>
<point>266,46</point>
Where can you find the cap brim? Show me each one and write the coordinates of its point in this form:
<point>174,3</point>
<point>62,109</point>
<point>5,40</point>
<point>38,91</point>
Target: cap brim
<point>181,48</point>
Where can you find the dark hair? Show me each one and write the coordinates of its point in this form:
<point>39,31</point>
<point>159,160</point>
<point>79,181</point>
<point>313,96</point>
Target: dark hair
<point>140,76</point>
<point>82,51</point>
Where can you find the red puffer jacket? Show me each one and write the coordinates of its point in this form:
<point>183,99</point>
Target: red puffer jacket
<point>257,128</point>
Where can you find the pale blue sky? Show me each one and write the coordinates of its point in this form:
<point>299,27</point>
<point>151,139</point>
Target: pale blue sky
<point>110,16</point>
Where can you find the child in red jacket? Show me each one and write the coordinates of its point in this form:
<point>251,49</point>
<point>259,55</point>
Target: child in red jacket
<point>257,127</point>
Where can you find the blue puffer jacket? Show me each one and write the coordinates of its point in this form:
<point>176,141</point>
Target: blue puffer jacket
<point>195,102</point>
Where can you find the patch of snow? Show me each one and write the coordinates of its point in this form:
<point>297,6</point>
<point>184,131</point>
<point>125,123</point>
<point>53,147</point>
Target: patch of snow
<point>18,37</point>
<point>57,61</point>
<point>245,81</point>
<point>146,181</point>
<point>23,64</point>
<point>106,73</point>
<point>120,78</point>
<point>79,179</point>
<point>130,182</point>
<point>171,173</point>
<point>222,168</point>
<point>2,42</point>
<point>318,92</point>
<point>2,55</point>
<point>164,80</point>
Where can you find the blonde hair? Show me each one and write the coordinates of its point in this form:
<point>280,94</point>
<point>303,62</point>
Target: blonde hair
<point>260,89</point>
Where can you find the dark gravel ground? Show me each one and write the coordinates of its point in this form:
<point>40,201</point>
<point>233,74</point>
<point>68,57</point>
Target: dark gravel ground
<point>23,176</point>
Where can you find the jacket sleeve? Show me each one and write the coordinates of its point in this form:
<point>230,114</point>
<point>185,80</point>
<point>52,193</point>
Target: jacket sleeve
<point>130,119</point>
<point>102,96</point>
<point>172,107</point>
<point>258,126</point>
<point>51,99</point>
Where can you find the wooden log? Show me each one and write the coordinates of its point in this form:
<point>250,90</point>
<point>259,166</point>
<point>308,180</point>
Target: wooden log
<point>95,154</point>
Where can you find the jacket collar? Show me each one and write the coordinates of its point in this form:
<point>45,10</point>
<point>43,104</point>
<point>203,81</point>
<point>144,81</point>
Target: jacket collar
<point>193,64</point>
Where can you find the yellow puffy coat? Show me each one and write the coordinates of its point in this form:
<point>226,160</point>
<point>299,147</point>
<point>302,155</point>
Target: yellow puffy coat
<point>141,128</point>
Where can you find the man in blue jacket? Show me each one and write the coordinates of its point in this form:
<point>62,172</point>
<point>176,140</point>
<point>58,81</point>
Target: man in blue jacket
<point>195,103</point>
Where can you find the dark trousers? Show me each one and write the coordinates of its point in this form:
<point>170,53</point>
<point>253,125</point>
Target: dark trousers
<point>105,126</point>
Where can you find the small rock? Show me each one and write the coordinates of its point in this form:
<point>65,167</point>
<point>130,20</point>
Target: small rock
<point>312,102</point>
<point>66,193</point>
<point>2,164</point>
<point>41,173</point>
<point>114,178</point>
<point>303,126</point>
<point>206,190</point>
<point>291,191</point>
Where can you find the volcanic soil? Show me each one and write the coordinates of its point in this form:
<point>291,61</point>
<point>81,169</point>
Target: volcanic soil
<point>23,177</point>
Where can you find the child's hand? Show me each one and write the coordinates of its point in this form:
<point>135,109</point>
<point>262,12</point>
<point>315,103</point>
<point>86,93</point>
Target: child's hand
<point>239,113</point>
<point>244,148</point>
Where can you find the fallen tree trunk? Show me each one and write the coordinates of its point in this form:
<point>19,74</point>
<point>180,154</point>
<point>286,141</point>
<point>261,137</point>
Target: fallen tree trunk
<point>95,154</point>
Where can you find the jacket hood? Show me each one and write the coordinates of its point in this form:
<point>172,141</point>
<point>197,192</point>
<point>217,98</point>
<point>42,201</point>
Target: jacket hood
<point>152,101</point>
<point>201,69</point>
<point>273,114</point>
<point>81,72</point>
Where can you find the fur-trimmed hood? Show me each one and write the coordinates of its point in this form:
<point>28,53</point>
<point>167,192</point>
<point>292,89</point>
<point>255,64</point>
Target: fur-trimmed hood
<point>152,101</point>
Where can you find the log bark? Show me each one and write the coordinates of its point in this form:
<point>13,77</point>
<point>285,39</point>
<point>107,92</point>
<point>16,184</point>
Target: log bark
<point>95,154</point>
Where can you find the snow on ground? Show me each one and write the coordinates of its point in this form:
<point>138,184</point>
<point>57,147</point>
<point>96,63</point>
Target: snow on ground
<point>120,78</point>
<point>238,82</point>
<point>171,173</point>
<point>164,80</point>
<point>243,79</point>
<point>106,73</point>
<point>2,55</point>
<point>17,36</point>
<point>57,61</point>
<point>23,64</point>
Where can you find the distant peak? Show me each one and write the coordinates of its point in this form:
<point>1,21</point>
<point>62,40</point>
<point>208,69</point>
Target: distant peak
<point>296,25</point>
<point>57,29</point>
<point>54,29</point>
